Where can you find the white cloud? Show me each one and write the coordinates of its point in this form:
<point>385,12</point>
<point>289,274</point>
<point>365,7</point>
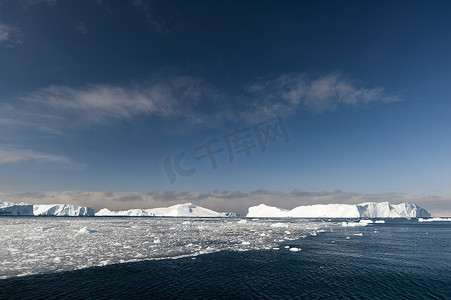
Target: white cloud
<point>10,156</point>
<point>10,36</point>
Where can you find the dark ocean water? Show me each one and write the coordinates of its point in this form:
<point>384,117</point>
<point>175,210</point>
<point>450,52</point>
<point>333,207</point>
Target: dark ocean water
<point>401,259</point>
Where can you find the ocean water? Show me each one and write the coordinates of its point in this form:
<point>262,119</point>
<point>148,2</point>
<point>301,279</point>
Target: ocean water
<point>57,258</point>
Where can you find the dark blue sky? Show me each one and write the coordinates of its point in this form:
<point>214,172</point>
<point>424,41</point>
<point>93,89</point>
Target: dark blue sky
<point>94,95</point>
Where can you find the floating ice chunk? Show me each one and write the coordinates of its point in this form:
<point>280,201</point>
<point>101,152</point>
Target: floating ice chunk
<point>243,221</point>
<point>86,230</point>
<point>287,247</point>
<point>379,221</point>
<point>358,234</point>
<point>245,243</point>
<point>186,222</point>
<point>434,220</point>
<point>366,221</point>
<point>354,224</point>
<point>279,225</point>
<point>294,249</point>
<point>156,240</point>
<point>275,248</point>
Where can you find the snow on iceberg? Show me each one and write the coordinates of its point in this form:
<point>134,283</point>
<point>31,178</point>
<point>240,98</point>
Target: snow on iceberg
<point>125,213</point>
<point>178,210</point>
<point>363,210</point>
<point>15,209</point>
<point>62,210</point>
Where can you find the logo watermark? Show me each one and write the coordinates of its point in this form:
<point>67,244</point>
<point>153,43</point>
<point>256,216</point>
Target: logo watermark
<point>239,141</point>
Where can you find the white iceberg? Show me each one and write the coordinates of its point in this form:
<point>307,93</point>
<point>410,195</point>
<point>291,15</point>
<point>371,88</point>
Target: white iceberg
<point>15,209</point>
<point>363,210</point>
<point>127,213</point>
<point>62,210</point>
<point>178,210</point>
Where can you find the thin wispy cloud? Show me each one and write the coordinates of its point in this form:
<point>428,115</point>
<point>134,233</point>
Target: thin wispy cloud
<point>10,36</point>
<point>288,93</point>
<point>200,102</point>
<point>178,96</point>
<point>11,156</point>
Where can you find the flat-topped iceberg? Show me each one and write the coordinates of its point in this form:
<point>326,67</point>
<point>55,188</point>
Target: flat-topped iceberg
<point>363,210</point>
<point>178,210</point>
<point>15,209</point>
<point>62,210</point>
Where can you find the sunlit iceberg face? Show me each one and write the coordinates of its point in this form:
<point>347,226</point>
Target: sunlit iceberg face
<point>43,245</point>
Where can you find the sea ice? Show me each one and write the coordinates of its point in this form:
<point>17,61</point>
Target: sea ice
<point>35,245</point>
<point>86,230</point>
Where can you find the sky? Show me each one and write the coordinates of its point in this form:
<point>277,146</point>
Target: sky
<point>139,104</point>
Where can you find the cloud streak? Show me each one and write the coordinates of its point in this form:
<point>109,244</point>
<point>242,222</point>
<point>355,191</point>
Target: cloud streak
<point>288,93</point>
<point>178,96</point>
<point>11,156</point>
<point>200,102</point>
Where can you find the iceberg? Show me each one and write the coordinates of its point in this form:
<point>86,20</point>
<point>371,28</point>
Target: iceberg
<point>15,209</point>
<point>125,213</point>
<point>178,210</point>
<point>62,210</point>
<point>363,210</point>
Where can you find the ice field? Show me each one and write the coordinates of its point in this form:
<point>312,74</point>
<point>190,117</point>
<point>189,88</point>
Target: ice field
<point>30,245</point>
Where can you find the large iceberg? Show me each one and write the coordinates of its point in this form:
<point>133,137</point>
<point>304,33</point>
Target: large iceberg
<point>62,210</point>
<point>15,209</point>
<point>178,210</point>
<point>363,210</point>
